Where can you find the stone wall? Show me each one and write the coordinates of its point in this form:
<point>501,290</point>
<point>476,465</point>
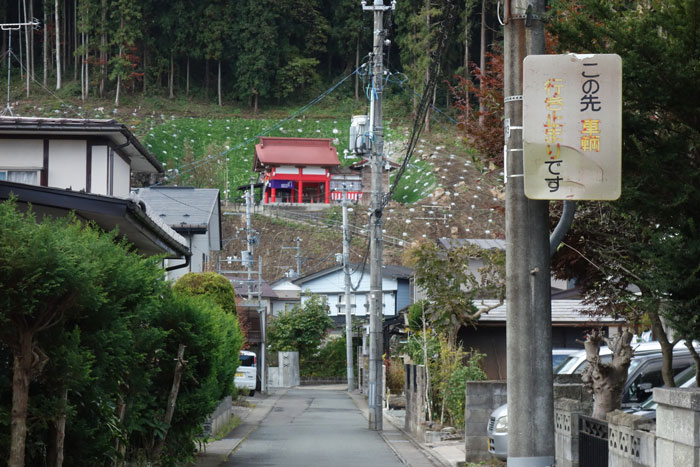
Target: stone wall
<point>482,398</point>
<point>678,426</point>
<point>414,388</point>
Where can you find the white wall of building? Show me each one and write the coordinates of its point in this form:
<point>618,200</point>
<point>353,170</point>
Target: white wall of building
<point>99,180</point>
<point>67,164</point>
<point>21,154</point>
<point>122,177</point>
<point>332,286</point>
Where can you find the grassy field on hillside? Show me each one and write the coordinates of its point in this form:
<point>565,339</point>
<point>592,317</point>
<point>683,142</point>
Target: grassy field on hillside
<point>212,152</point>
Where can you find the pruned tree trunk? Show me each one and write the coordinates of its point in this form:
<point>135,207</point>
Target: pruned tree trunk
<point>607,381</point>
<point>255,101</point>
<point>145,68</point>
<point>31,43</point>
<point>427,367</point>
<point>75,38</point>
<point>172,399</point>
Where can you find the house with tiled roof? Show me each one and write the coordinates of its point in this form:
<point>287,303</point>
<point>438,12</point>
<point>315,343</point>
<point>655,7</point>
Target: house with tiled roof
<point>194,213</point>
<point>85,166</point>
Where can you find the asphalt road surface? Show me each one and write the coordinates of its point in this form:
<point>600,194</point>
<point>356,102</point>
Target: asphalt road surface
<point>314,427</point>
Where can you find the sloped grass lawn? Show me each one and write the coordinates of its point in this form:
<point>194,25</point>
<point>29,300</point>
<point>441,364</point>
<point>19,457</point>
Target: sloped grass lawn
<point>216,140</point>
<point>418,181</point>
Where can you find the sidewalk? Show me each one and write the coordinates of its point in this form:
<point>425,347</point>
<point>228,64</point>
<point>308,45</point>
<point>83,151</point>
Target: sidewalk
<point>217,452</point>
<point>411,451</point>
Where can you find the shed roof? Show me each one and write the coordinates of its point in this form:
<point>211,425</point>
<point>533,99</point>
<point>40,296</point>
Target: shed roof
<point>182,208</point>
<point>295,151</point>
<point>388,272</point>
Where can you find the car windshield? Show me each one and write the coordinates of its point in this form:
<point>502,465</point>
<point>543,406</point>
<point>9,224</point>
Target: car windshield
<point>247,360</point>
<point>682,380</point>
<point>567,365</point>
<point>557,361</point>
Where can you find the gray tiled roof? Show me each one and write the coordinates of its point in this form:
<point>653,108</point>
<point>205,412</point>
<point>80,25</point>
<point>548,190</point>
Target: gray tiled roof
<point>181,206</point>
<point>483,243</point>
<point>563,311</point>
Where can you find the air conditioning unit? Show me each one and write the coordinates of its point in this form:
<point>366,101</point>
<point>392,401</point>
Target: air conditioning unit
<point>359,140</point>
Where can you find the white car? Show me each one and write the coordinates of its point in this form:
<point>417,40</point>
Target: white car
<point>246,373</point>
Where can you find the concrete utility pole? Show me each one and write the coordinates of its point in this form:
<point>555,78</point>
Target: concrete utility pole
<point>529,323</point>
<point>376,336</point>
<point>263,331</point>
<point>348,305</point>
<point>249,237</point>
<point>297,256</point>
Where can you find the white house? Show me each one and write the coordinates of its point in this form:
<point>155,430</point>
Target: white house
<point>194,213</point>
<point>330,283</point>
<point>288,295</point>
<point>84,166</point>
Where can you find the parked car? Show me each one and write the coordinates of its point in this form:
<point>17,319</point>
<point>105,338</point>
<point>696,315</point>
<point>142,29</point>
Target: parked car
<point>684,379</point>
<point>559,356</point>
<point>643,375</point>
<point>246,373</point>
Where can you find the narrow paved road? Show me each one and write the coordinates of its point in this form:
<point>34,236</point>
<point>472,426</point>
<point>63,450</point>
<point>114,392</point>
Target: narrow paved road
<point>314,427</point>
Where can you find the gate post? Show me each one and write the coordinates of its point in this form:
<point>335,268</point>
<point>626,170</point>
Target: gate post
<point>678,426</point>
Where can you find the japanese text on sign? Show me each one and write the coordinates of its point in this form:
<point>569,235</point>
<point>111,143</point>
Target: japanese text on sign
<point>572,126</point>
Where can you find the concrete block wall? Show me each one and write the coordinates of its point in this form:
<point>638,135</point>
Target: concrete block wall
<point>631,441</point>
<point>482,398</point>
<point>678,426</point>
<point>571,399</point>
<point>414,388</point>
<point>220,417</point>
<point>286,374</point>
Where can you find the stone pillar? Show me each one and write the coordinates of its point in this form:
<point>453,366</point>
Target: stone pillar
<point>630,440</point>
<point>482,398</point>
<point>414,388</point>
<point>678,426</point>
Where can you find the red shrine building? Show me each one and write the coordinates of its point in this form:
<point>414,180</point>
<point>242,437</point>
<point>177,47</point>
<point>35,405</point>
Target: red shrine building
<point>303,170</point>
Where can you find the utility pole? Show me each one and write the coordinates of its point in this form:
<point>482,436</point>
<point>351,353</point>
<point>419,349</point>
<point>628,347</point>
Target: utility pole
<point>528,324</point>
<point>263,331</point>
<point>297,256</point>
<point>348,306</point>
<point>376,336</point>
<point>249,237</point>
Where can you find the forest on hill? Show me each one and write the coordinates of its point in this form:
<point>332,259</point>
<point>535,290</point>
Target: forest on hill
<point>252,52</point>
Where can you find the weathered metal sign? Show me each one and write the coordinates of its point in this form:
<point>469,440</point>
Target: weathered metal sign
<point>572,126</point>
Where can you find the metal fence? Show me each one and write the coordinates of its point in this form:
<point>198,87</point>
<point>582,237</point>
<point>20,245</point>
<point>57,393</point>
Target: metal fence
<point>592,442</point>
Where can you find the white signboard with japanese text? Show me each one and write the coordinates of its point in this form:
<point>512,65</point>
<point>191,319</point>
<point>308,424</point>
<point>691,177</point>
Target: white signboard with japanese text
<point>572,126</point>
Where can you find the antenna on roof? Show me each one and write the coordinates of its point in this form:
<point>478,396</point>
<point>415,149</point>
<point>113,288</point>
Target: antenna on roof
<point>9,27</point>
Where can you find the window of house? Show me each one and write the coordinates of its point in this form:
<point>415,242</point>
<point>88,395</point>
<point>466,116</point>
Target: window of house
<point>341,303</point>
<point>30,177</point>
